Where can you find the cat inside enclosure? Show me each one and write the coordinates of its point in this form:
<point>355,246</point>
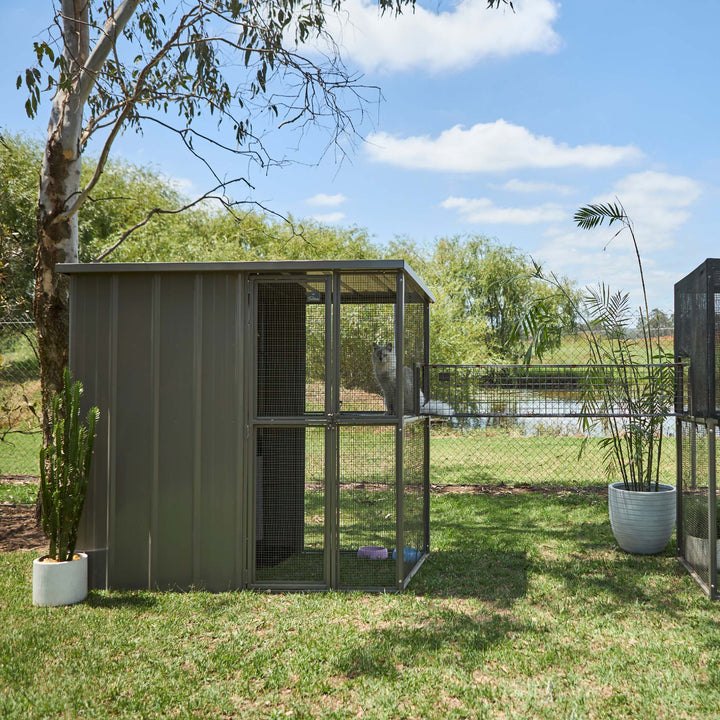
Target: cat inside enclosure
<point>385,367</point>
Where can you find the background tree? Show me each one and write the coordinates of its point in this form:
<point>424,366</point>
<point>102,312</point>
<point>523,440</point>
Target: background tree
<point>484,292</point>
<point>112,66</point>
<point>19,166</point>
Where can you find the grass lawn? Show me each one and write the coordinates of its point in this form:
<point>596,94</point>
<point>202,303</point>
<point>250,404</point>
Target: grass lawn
<point>525,609</point>
<point>480,457</point>
<point>19,454</point>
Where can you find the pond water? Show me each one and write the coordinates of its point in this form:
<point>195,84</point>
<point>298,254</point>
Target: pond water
<point>534,413</point>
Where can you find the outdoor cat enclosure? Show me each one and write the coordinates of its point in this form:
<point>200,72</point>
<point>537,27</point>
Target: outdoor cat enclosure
<point>697,347</point>
<point>244,439</point>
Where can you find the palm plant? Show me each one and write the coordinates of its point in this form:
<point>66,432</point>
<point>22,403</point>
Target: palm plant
<point>629,381</point>
<point>639,384</point>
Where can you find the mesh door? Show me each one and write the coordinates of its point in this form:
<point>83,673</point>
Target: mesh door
<point>367,506</point>
<point>367,316</point>
<point>290,505</point>
<point>414,495</point>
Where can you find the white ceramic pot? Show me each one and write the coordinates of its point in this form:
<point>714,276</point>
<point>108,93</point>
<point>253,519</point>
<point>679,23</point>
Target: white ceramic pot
<point>642,522</point>
<point>697,552</point>
<point>60,583</point>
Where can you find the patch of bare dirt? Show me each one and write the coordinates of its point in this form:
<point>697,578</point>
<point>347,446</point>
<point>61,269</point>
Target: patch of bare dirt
<point>19,529</point>
<point>517,489</point>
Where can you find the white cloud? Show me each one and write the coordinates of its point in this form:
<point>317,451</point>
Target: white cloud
<point>658,204</point>
<point>325,200</point>
<point>524,186</point>
<point>491,147</point>
<point>329,218</point>
<point>483,210</point>
<point>184,186</point>
<point>442,41</point>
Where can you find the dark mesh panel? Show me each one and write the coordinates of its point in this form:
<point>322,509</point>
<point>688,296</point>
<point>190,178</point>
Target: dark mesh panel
<point>697,333</point>
<point>290,505</point>
<point>367,506</point>
<point>290,348</point>
<point>413,494</point>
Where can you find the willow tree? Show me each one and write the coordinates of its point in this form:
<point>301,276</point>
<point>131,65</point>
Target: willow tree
<point>112,65</point>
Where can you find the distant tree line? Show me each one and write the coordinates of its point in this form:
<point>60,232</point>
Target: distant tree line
<point>483,289</point>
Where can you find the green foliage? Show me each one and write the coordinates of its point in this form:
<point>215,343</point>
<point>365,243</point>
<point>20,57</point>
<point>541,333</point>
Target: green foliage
<point>485,292</point>
<point>19,166</point>
<point>638,383</point>
<point>65,468</point>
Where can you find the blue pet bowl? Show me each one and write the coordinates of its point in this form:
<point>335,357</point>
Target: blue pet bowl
<point>410,555</point>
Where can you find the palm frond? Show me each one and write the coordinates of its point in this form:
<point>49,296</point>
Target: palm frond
<point>592,216</point>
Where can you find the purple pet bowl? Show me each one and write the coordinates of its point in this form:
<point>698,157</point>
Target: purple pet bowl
<point>373,552</point>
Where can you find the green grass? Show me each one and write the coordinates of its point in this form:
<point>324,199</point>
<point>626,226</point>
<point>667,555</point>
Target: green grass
<point>525,609</point>
<point>19,493</point>
<point>19,454</point>
<point>484,458</point>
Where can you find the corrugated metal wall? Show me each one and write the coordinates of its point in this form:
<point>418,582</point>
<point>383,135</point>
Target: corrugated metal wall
<point>217,463</point>
<point>162,355</point>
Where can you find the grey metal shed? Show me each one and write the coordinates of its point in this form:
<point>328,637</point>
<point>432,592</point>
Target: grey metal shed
<point>244,440</point>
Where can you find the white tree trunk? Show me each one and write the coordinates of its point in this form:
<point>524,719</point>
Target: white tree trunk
<point>58,234</point>
<point>59,192</point>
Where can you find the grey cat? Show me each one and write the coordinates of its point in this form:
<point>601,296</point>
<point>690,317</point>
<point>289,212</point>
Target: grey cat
<point>385,367</point>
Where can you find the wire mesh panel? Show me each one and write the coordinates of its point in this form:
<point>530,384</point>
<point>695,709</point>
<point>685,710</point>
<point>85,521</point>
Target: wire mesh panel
<point>415,499</point>
<point>500,391</point>
<point>367,506</point>
<point>291,347</point>
<point>697,336</point>
<point>290,506</point>
<point>698,527</point>
<point>20,434</point>
<point>367,316</point>
<point>414,342</point>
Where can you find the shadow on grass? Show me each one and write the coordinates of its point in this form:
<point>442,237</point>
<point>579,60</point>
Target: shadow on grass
<point>481,572</point>
<point>120,600</point>
<point>463,638</point>
<point>492,548</point>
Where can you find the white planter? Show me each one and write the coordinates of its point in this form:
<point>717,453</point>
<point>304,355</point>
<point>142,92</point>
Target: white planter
<point>642,522</point>
<point>697,552</point>
<point>60,583</point>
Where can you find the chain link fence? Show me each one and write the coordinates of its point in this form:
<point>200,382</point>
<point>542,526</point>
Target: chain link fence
<point>538,426</point>
<point>506,448</point>
<point>20,434</point>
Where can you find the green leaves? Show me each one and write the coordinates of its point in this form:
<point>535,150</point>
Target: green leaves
<point>592,216</point>
<point>65,469</point>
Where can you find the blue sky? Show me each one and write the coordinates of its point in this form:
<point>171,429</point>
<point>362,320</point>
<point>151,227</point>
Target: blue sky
<point>501,124</point>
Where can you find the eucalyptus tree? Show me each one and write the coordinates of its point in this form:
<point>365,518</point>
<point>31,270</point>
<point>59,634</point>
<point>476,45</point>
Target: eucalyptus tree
<point>114,65</point>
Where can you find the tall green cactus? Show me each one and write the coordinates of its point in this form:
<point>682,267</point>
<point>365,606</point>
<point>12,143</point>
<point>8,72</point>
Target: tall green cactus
<point>65,468</point>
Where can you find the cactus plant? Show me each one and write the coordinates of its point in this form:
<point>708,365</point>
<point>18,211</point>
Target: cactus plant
<point>65,468</point>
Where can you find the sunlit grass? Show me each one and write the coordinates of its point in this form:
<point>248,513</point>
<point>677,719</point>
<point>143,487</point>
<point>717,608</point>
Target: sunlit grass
<point>525,609</point>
